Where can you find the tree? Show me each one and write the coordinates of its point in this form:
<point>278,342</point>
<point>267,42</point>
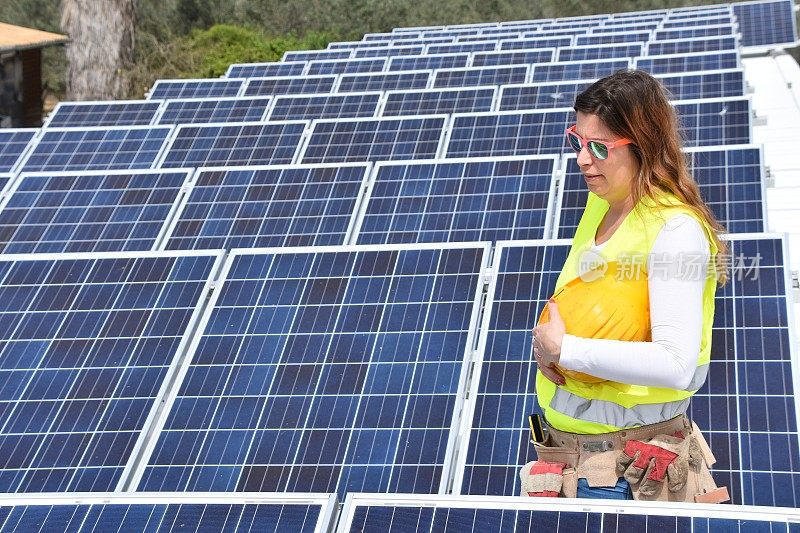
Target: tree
<point>101,47</point>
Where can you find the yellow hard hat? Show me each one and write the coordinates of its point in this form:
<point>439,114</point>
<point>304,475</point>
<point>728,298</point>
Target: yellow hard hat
<point>612,305</point>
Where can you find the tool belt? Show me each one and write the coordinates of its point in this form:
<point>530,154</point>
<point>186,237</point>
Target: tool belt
<point>667,461</point>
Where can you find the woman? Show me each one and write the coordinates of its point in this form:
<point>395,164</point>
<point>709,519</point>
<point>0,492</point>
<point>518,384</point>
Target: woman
<point>644,210</point>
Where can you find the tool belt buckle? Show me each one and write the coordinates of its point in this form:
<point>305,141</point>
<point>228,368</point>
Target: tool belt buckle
<point>597,445</point>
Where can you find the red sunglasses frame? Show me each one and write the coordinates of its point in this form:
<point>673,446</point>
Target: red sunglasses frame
<point>585,142</point>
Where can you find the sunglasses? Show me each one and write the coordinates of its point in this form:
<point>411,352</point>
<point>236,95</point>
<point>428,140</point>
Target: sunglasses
<point>598,149</point>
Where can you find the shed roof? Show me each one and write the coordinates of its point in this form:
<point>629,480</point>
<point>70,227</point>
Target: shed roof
<point>19,38</point>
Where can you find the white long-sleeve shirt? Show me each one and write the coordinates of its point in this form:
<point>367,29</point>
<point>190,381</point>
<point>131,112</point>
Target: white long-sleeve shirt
<point>676,317</point>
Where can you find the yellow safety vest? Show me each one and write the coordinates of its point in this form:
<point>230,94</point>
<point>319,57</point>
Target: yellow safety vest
<point>591,408</point>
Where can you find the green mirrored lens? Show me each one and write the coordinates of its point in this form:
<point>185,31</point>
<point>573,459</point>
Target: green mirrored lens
<point>599,150</point>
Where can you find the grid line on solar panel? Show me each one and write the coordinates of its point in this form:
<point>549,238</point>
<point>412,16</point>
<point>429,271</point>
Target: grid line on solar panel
<point>600,51</point>
<point>388,51</point>
<point>118,113</point>
<point>252,207</point>
<point>358,392</point>
<point>715,121</point>
<point>207,110</point>
<point>480,76</point>
<point>745,408</point>
<point>540,95</point>
<point>228,144</point>
<point>437,101</point>
<point>461,48</point>
<point>695,31</point>
<point>378,139</point>
<point>688,62</point>
<point>428,62</point>
<point>88,342</point>
<point>704,84</point>
<point>166,512</point>
<point>197,88</point>
<point>459,200</point>
<point>96,148</point>
<point>490,514</point>
<point>317,106</point>
<point>289,85</point>
<point>577,70</point>
<point>346,66</point>
<point>613,38</point>
<point>731,181</point>
<point>263,70</point>
<point>530,43</point>
<point>692,45</point>
<point>313,55</point>
<point>386,81</point>
<point>513,57</point>
<point>62,212</point>
<point>14,145</point>
<point>766,24</point>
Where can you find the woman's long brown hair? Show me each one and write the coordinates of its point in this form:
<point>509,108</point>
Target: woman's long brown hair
<point>634,105</point>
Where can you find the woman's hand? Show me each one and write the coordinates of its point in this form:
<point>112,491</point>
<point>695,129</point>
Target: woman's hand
<point>547,340</point>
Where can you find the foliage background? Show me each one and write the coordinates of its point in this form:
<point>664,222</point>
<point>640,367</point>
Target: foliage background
<point>200,38</point>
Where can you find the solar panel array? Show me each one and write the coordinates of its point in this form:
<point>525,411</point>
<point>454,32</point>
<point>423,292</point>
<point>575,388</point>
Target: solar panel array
<point>360,239</point>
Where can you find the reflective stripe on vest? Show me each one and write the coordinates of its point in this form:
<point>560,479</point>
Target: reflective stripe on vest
<point>579,407</point>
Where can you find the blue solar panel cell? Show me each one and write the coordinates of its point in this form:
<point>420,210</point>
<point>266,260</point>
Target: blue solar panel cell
<point>481,76</point>
<point>110,148</point>
<point>695,31</point>
<point>88,212</point>
<point>120,113</point>
<point>613,38</point>
<point>318,106</point>
<point>315,55</point>
<point>766,23</point>
<point>289,85</point>
<point>706,84</point>
<point>207,110</point>
<point>459,201</point>
<point>513,57</point>
<point>359,354</point>
<point>462,48</point>
<point>385,81</point>
<point>87,342</point>
<point>691,46</point>
<point>540,95</point>
<point>216,87</point>
<point>434,101</point>
<point>264,70</point>
<point>531,43</point>
<point>577,70</point>
<point>682,63</point>
<point>268,206</point>
<point>13,145</point>
<point>384,139</point>
<point>716,121</point>
<point>600,51</point>
<point>428,62</point>
<point>346,66</point>
<point>389,51</point>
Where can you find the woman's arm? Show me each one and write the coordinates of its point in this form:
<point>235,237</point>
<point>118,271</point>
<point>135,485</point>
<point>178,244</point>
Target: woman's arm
<point>676,316</point>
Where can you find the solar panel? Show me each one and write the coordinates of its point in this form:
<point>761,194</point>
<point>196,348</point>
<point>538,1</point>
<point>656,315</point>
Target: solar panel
<point>215,87</point>
<point>88,212</point>
<point>531,43</point>
<point>118,113</point>
<point>107,148</point>
<point>513,57</point>
<point>289,85</point>
<point>461,48</point>
<point>687,63</point>
<point>540,95</point>
<point>14,143</point>
<point>578,70</point>
<point>428,62</point>
<point>613,38</point>
<point>555,32</point>
<point>766,23</point>
<point>87,342</point>
<point>450,33</point>
<point>5,179</point>
<point>346,66</point>
<point>316,106</point>
<point>600,51</point>
<point>571,24</point>
<point>715,121</point>
<point>695,31</point>
<point>263,70</point>
<point>624,28</point>
<point>340,370</point>
<point>421,42</point>
<point>251,207</point>
<point>356,45</point>
<point>167,512</point>
<point>710,20</point>
<point>389,51</point>
<point>229,144</point>
<point>206,110</point>
<point>459,200</point>
<point>746,408</point>
<point>730,179</point>
<point>379,139</point>
<point>315,55</point>
<point>435,101</point>
<point>416,514</point>
<point>704,84</point>
<point>509,133</point>
<point>690,46</point>
<point>383,36</point>
<point>386,81</point>
<point>480,76</point>
<point>699,11</point>
<point>495,36</point>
